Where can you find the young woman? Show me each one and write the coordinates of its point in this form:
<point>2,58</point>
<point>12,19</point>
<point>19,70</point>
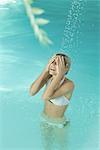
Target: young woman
<point>58,89</point>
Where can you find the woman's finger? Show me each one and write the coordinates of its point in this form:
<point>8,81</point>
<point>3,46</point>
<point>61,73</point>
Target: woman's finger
<point>56,60</point>
<point>60,61</point>
<point>63,61</point>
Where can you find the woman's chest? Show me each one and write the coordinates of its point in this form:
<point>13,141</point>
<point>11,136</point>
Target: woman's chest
<point>54,110</point>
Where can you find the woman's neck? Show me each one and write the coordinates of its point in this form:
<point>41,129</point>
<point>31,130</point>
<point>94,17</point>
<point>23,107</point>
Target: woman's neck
<point>55,76</point>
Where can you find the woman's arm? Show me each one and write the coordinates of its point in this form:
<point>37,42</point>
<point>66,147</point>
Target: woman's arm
<point>65,89</point>
<point>39,82</point>
<point>51,88</point>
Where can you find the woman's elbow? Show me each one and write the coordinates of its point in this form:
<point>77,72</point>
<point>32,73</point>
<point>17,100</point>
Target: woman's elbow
<point>31,92</point>
<point>45,97</point>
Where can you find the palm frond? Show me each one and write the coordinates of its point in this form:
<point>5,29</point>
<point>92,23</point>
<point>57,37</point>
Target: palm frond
<point>37,11</point>
<point>35,22</point>
<point>41,21</point>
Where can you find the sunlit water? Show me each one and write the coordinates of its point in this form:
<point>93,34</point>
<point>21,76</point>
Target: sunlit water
<point>22,58</point>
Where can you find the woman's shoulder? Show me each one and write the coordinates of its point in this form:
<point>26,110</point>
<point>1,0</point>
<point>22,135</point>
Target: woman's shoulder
<point>69,81</point>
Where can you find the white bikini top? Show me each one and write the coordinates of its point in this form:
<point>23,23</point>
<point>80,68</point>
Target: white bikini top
<point>62,100</point>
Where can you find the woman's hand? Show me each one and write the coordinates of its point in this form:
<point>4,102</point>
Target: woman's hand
<point>49,63</point>
<point>60,67</point>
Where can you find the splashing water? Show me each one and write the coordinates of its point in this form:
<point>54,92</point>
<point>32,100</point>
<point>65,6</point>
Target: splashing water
<point>72,24</point>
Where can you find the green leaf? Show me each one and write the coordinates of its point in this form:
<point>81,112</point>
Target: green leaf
<point>44,38</point>
<point>47,40</point>
<point>37,11</point>
<point>41,21</point>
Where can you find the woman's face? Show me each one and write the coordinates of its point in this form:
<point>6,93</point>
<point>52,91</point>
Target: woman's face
<point>52,67</point>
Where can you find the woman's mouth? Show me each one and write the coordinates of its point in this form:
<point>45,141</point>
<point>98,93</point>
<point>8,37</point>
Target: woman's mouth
<point>52,69</point>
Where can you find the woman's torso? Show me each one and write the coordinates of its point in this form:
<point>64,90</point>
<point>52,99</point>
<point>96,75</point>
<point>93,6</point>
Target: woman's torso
<point>53,110</point>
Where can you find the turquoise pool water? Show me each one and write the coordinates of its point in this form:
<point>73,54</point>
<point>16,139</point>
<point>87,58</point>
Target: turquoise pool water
<point>22,58</point>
